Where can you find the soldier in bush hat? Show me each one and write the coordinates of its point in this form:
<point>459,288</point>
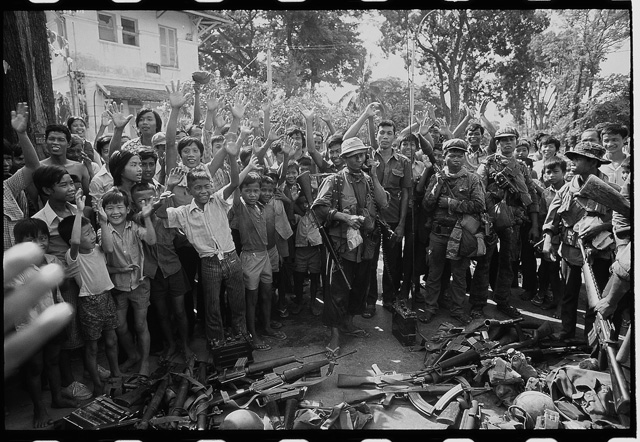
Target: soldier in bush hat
<point>511,200</point>
<point>567,211</point>
<point>345,203</point>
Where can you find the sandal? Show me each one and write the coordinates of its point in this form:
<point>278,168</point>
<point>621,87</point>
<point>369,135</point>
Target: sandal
<point>357,333</point>
<point>425,317</point>
<point>276,325</point>
<point>284,313</point>
<point>280,336</point>
<point>332,353</point>
<point>260,347</point>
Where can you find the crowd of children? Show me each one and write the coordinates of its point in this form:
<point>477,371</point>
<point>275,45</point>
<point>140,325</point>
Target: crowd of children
<point>230,218</point>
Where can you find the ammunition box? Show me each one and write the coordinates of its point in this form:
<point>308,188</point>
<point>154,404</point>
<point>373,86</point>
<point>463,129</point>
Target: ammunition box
<point>101,411</point>
<point>227,355</point>
<point>404,324</point>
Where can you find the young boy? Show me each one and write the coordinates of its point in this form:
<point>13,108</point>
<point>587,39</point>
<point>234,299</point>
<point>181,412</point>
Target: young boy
<point>206,226</point>
<point>168,283</point>
<point>122,242</point>
<point>35,230</point>
<point>549,271</point>
<point>307,258</point>
<point>278,232</point>
<point>96,308</point>
<point>249,218</point>
<point>613,138</point>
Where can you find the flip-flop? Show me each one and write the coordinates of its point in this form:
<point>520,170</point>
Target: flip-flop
<point>261,347</point>
<point>276,325</point>
<point>280,336</point>
<point>357,333</point>
<point>332,353</point>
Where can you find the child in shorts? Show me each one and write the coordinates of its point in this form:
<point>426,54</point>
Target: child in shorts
<point>122,243</point>
<point>46,359</point>
<point>249,218</point>
<point>96,308</point>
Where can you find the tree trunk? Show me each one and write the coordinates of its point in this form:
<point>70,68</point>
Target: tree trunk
<point>27,73</point>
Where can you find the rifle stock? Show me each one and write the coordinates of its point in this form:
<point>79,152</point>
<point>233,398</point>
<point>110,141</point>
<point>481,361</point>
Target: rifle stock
<point>602,331</point>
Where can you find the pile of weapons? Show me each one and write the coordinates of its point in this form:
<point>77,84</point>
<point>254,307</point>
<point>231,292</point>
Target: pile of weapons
<point>462,364</point>
<point>189,396</point>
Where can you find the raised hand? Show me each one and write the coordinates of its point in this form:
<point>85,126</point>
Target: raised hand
<point>220,118</point>
<point>431,111</point>
<point>20,118</point>
<point>253,163</point>
<point>246,129</point>
<point>239,106</point>
<point>232,146</point>
<point>308,114</point>
<point>273,134</point>
<point>266,106</point>
<point>80,200</point>
<point>483,106</point>
<point>213,102</point>
<point>175,177</point>
<point>288,145</point>
<point>147,209</point>
<point>177,96</point>
<point>117,115</point>
<point>102,215</point>
<point>373,109</point>
<point>105,119</point>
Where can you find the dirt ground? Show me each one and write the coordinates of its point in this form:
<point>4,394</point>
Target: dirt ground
<point>305,335</point>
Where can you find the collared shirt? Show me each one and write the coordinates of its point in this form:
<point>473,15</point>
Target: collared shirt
<point>614,173</point>
<point>163,253</point>
<point>394,175</point>
<point>15,205</point>
<point>99,185</point>
<point>207,230</point>
<point>57,246</point>
<point>307,233</point>
<point>473,159</point>
<point>251,222</point>
<point>93,276</point>
<point>127,250</point>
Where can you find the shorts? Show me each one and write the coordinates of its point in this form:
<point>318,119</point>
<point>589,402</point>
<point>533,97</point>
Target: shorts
<point>97,313</point>
<point>256,268</point>
<point>138,297</point>
<point>274,257</point>
<point>308,259</point>
<point>175,285</point>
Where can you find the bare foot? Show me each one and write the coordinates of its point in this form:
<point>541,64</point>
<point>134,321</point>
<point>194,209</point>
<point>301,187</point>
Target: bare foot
<point>188,353</point>
<point>41,417</point>
<point>64,402</point>
<point>144,368</point>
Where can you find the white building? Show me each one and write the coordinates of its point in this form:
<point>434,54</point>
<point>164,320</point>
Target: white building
<point>124,56</point>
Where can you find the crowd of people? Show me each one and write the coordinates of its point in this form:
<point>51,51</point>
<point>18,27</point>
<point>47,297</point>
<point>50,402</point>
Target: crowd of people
<point>222,222</point>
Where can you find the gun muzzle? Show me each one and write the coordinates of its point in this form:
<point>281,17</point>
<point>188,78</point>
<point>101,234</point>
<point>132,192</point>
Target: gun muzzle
<point>496,323</point>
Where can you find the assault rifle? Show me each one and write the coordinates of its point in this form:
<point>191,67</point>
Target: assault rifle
<point>604,333</point>
<point>274,380</point>
<point>241,370</point>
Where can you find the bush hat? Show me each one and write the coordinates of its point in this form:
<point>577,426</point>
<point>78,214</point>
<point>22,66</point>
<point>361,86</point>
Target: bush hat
<point>589,150</point>
<point>352,146</point>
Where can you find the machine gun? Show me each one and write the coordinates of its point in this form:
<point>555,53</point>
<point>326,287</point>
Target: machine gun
<point>603,333</point>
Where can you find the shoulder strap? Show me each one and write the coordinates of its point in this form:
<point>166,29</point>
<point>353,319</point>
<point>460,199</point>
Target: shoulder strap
<point>336,191</point>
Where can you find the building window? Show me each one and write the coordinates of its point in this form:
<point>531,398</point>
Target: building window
<point>129,31</point>
<point>153,68</point>
<point>168,47</point>
<point>107,26</point>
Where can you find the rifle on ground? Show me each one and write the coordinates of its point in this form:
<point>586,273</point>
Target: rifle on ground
<point>241,369</point>
<point>604,333</point>
<point>274,380</point>
<point>471,417</point>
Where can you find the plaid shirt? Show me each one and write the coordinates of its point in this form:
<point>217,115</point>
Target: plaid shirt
<point>15,205</point>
